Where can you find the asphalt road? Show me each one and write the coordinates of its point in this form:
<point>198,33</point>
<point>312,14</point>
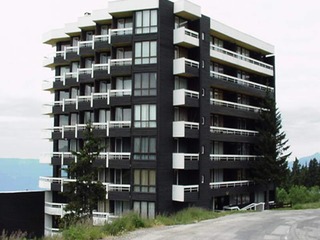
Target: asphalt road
<point>267,225</point>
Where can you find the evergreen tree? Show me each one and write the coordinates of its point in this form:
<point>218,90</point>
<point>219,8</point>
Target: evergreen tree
<point>86,191</point>
<point>295,174</point>
<point>313,173</point>
<point>272,166</point>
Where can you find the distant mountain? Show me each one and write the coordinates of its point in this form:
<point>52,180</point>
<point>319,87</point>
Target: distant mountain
<point>305,160</point>
<point>21,174</point>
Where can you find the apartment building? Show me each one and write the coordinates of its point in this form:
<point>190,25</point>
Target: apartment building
<point>174,96</point>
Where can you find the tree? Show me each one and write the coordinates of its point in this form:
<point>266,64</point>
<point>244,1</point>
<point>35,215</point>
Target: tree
<point>295,175</point>
<point>313,173</point>
<point>86,191</point>
<point>272,166</point>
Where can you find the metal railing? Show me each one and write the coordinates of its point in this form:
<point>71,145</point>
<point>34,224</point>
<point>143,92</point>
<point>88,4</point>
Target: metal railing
<point>215,185</point>
<point>240,81</point>
<point>229,157</point>
<point>241,57</point>
<point>233,131</point>
<point>234,105</point>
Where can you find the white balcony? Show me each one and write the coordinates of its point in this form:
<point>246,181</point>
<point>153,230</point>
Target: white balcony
<point>234,105</point>
<point>46,109</point>
<point>180,96</point>
<point>230,57</point>
<point>56,209</point>
<point>229,184</point>
<point>96,125</point>
<point>187,9</point>
<point>240,82</point>
<point>180,192</point>
<point>185,37</point>
<point>179,128</point>
<point>107,156</point>
<point>45,182</point>
<point>91,98</point>
<point>232,158</point>
<point>120,32</point>
<point>233,131</point>
<point>181,66</point>
<point>48,231</point>
<point>179,159</point>
<point>48,61</point>
<point>47,85</point>
<point>112,187</point>
<point>101,218</point>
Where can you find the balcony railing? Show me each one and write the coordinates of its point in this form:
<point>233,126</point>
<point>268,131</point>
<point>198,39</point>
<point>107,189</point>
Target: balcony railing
<point>114,156</point>
<point>233,131</point>
<point>179,192</point>
<point>180,64</point>
<point>180,95</point>
<point>234,105</point>
<point>101,218</point>
<point>179,159</point>
<point>241,57</point>
<point>179,127</point>
<point>112,187</point>
<point>121,31</point>
<point>55,208</point>
<point>96,125</point>
<point>49,231</point>
<point>232,158</point>
<point>92,97</point>
<point>228,184</point>
<point>186,37</point>
<point>45,182</point>
<point>240,81</point>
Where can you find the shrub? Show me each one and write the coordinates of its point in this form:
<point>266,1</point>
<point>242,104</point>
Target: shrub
<point>299,194</point>
<point>282,195</point>
<point>128,222</point>
<point>82,231</point>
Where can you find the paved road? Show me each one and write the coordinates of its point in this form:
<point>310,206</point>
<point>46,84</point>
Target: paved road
<point>267,225</point>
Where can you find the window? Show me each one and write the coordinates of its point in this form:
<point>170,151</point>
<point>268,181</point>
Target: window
<point>63,120</point>
<point>144,209</point>
<point>146,52</point>
<point>242,51</point>
<point>144,180</point>
<point>125,24</point>
<point>123,83</point>
<point>145,84</point>
<point>122,114</point>
<point>145,116</point>
<point>146,21</point>
<point>144,148</point>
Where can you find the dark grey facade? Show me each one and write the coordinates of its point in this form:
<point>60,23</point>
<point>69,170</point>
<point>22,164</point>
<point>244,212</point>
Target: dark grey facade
<point>173,94</point>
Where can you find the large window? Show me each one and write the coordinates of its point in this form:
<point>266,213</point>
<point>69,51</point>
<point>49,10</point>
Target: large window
<point>145,116</point>
<point>144,209</point>
<point>145,52</point>
<point>144,148</point>
<point>144,180</point>
<point>146,21</point>
<point>145,84</point>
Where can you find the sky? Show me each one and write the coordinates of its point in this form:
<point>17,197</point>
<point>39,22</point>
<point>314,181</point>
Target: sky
<point>293,27</point>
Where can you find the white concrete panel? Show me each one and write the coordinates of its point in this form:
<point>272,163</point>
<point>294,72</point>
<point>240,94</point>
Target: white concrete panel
<point>240,36</point>
<point>187,9</point>
<point>120,6</point>
<point>52,36</point>
<point>101,15</point>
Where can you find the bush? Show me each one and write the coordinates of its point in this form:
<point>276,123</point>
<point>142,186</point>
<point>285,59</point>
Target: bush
<point>128,222</point>
<point>299,194</point>
<point>82,231</point>
<point>282,195</point>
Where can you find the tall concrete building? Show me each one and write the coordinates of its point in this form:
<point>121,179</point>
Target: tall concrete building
<point>173,94</point>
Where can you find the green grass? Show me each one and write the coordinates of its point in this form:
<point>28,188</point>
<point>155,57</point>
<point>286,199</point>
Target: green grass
<point>312,205</point>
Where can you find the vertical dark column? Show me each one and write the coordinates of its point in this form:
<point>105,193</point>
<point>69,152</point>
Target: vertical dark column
<point>165,86</point>
<point>204,113</point>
